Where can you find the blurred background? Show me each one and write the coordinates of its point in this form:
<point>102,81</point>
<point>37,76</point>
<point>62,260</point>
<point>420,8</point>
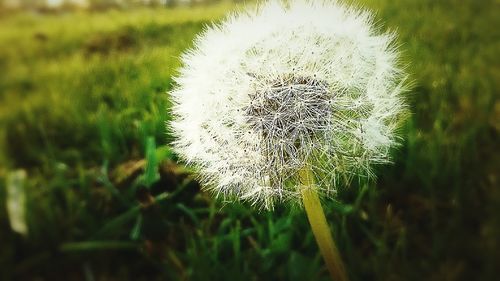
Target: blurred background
<point>90,190</point>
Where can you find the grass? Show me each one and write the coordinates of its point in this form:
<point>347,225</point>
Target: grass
<point>82,110</point>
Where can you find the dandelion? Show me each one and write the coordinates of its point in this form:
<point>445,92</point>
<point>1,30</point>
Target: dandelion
<point>286,101</point>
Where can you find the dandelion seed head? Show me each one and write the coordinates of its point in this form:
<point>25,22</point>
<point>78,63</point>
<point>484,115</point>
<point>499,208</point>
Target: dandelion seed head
<point>281,87</point>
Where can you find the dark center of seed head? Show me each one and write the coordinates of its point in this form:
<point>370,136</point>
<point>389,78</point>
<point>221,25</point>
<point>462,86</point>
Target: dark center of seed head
<point>289,108</point>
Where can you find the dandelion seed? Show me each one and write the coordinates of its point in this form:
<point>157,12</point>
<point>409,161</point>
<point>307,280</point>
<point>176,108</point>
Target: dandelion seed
<point>270,91</point>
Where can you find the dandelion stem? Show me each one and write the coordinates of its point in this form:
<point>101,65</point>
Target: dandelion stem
<point>320,227</point>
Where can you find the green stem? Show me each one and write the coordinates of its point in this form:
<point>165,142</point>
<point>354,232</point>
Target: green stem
<point>320,227</point>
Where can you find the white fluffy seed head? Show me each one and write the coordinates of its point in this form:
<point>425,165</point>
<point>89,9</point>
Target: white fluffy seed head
<point>281,87</point>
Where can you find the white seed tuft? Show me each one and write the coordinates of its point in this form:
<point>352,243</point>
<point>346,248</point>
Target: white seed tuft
<point>281,87</point>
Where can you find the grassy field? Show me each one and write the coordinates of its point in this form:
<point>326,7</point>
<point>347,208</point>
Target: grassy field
<point>82,110</point>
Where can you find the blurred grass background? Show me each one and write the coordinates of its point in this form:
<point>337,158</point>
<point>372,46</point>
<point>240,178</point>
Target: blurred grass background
<point>82,110</point>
